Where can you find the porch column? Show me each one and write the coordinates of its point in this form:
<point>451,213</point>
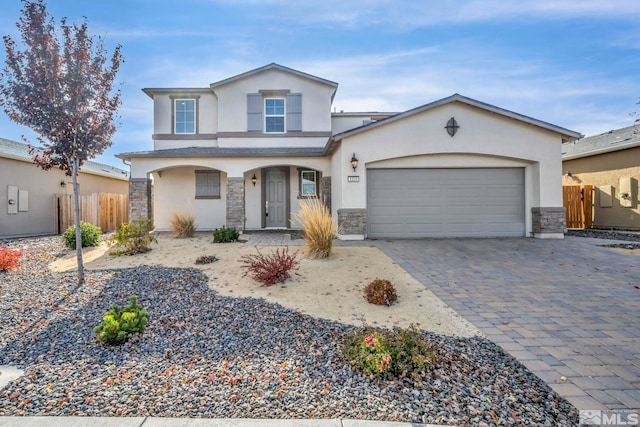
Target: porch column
<point>235,203</point>
<point>548,222</point>
<point>139,198</point>
<point>352,224</point>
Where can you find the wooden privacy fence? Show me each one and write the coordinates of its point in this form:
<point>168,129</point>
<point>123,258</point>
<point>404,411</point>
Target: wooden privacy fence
<point>578,202</point>
<point>106,210</point>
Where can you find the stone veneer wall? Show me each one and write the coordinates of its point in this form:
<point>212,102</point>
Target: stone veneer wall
<point>352,221</point>
<point>139,198</point>
<point>325,191</point>
<point>548,220</point>
<point>235,203</point>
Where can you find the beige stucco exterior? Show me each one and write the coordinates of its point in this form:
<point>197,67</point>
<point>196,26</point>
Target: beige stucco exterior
<point>316,100</point>
<point>488,137</point>
<point>483,140</point>
<point>611,174</point>
<point>41,187</point>
<point>174,186</point>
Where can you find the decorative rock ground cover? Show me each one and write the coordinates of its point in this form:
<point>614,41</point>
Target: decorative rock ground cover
<point>205,355</point>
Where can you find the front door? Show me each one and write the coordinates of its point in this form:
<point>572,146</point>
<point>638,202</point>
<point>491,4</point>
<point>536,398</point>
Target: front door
<point>275,208</point>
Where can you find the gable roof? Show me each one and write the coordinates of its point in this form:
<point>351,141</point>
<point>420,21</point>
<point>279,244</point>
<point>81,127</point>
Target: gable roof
<point>273,66</point>
<point>614,140</point>
<point>19,151</point>
<point>567,135</point>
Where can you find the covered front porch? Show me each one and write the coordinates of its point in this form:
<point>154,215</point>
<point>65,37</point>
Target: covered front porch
<point>245,193</point>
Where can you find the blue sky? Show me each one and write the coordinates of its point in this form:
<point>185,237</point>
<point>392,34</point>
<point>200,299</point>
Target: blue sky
<point>573,63</point>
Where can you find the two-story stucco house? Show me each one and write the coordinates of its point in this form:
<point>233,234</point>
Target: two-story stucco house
<point>243,152</point>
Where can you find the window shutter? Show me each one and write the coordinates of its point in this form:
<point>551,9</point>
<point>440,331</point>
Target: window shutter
<point>254,112</point>
<point>294,112</point>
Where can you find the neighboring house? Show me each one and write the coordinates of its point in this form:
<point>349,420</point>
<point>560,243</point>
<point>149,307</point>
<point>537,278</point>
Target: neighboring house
<point>27,192</point>
<point>609,162</point>
<point>245,151</point>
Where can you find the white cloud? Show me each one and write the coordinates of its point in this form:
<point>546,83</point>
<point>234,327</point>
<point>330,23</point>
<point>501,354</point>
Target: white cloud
<point>410,14</point>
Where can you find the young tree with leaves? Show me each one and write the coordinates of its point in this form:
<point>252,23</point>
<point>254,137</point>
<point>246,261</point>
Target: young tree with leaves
<point>62,87</point>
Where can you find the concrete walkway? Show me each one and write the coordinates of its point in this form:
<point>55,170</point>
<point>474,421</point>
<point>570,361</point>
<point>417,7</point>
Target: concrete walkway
<point>569,310</point>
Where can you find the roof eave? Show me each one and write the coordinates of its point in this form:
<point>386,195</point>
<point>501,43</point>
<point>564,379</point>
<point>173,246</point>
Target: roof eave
<point>601,151</point>
<point>160,155</point>
<point>151,91</point>
<point>567,135</point>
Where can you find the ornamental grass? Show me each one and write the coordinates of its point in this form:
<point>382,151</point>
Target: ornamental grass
<point>319,228</point>
<point>183,224</point>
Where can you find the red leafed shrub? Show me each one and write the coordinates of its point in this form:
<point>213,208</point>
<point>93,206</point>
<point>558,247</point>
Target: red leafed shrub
<point>272,268</point>
<point>9,258</point>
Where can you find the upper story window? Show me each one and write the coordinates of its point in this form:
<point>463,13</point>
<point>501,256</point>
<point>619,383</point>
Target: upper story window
<point>274,111</point>
<point>274,115</point>
<point>185,115</point>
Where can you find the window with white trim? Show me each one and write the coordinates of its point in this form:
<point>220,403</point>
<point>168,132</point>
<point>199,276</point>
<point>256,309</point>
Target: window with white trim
<point>185,115</point>
<point>207,184</point>
<point>308,183</point>
<point>274,115</point>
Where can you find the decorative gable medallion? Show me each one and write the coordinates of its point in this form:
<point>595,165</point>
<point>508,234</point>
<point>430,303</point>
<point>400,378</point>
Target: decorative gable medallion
<point>452,126</point>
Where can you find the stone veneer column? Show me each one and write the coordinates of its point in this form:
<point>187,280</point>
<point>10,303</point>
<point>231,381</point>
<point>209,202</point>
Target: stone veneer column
<point>352,221</point>
<point>235,203</point>
<point>139,198</point>
<point>548,221</point>
<point>325,191</point>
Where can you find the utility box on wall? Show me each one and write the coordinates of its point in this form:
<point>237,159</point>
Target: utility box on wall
<point>23,201</point>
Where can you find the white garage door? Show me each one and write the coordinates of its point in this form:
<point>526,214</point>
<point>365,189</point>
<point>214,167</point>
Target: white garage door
<point>412,203</point>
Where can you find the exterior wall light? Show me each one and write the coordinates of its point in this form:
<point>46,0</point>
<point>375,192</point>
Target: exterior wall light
<point>354,162</point>
<point>254,179</point>
<point>63,184</point>
<point>567,173</point>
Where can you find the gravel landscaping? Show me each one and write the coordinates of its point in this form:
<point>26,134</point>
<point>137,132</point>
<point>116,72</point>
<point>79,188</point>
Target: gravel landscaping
<point>207,355</point>
<point>632,239</point>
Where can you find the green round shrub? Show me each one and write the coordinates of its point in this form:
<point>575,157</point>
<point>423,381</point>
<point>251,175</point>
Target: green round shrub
<point>90,235</point>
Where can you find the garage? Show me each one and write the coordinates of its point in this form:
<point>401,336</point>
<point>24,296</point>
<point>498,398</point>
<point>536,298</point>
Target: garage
<point>475,202</point>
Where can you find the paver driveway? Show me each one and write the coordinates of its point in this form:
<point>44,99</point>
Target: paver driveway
<point>568,309</point>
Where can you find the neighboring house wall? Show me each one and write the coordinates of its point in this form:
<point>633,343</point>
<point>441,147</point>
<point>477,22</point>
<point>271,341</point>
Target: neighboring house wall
<point>483,140</point>
<point>611,174</point>
<point>41,186</point>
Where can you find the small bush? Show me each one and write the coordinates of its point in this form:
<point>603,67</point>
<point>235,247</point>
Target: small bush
<point>206,259</point>
<point>183,224</point>
<point>133,238</point>
<point>9,258</point>
<point>319,228</point>
<point>225,235</point>
<point>270,269</point>
<point>89,233</point>
<point>118,324</point>
<point>396,353</point>
<point>381,292</point>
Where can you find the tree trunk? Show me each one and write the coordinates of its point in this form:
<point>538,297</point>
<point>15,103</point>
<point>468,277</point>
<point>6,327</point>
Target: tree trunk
<point>76,200</point>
